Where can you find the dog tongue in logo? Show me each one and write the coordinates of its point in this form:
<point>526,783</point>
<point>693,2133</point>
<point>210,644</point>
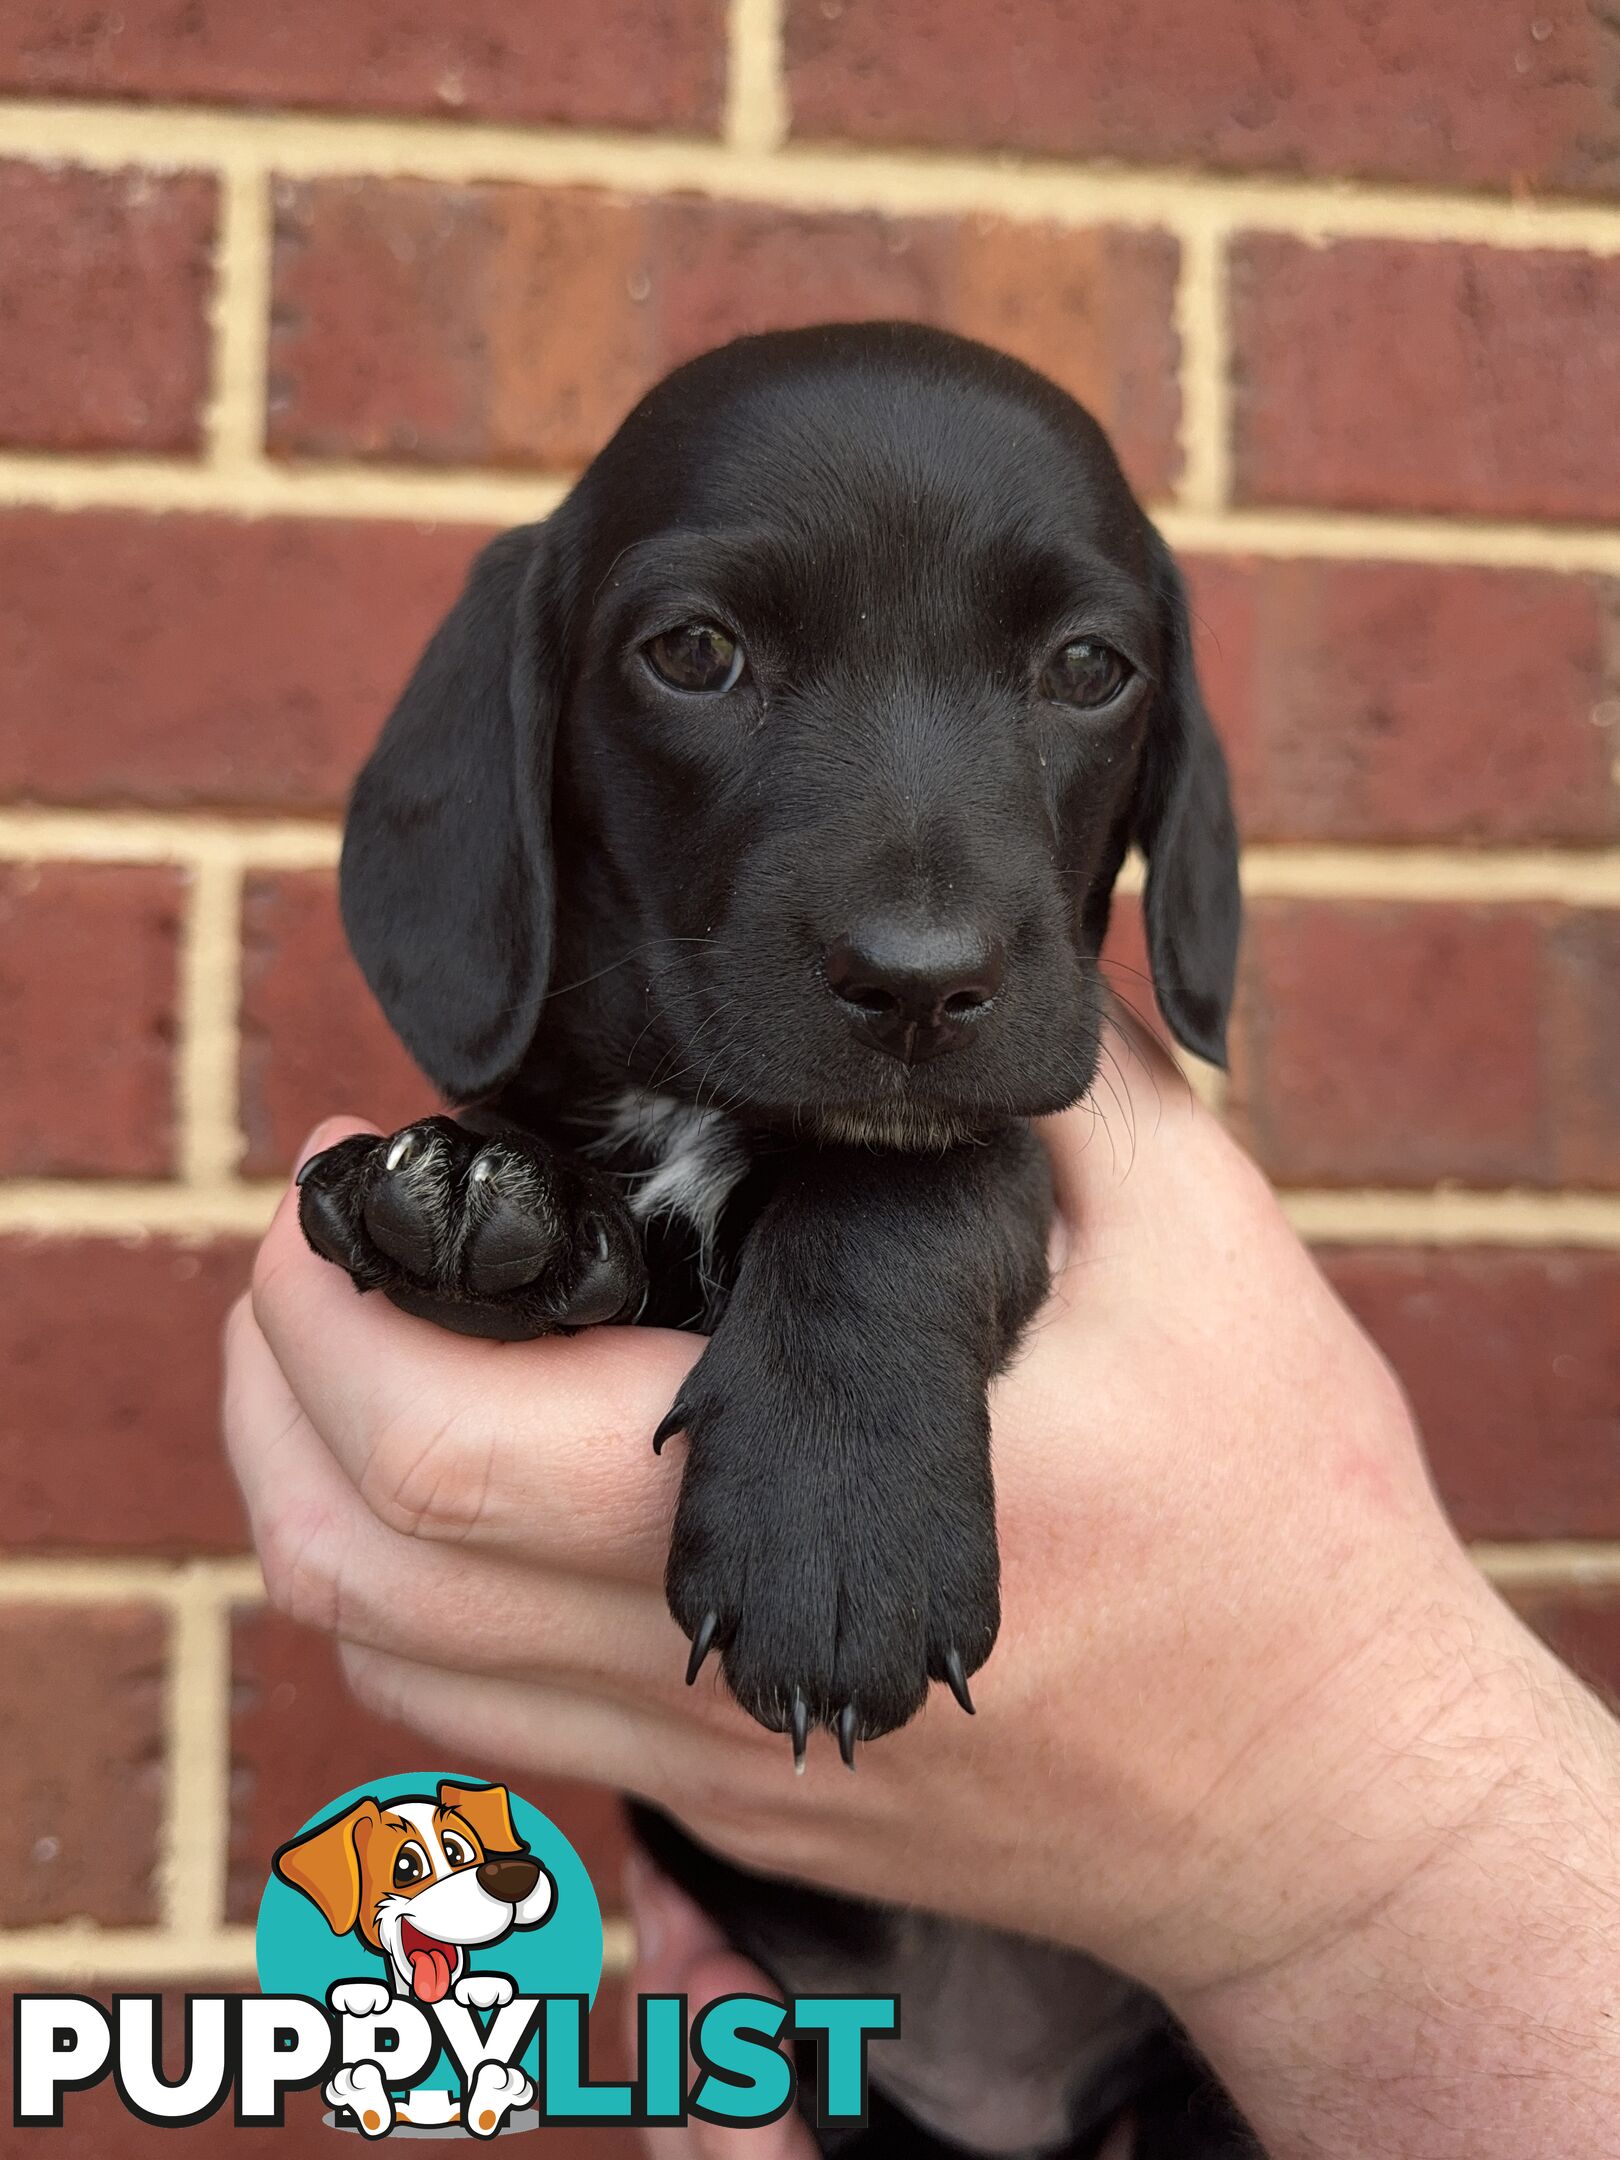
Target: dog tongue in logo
<point>433,1964</point>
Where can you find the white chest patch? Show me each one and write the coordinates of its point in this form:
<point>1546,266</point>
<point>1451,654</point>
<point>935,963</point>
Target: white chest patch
<point>699,1158</point>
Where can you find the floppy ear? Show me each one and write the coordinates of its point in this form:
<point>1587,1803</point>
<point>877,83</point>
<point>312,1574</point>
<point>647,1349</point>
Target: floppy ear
<point>325,1864</point>
<point>1184,824</point>
<point>488,1808</point>
<point>446,882</point>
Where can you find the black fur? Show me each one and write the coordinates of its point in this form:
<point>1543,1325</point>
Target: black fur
<point>599,910</point>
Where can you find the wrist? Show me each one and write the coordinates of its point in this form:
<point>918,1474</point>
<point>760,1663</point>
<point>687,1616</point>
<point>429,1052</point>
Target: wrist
<point>1465,1997</point>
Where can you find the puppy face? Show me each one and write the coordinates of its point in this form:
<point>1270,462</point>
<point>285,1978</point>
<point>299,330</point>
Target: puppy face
<point>422,1880</point>
<point>794,760</point>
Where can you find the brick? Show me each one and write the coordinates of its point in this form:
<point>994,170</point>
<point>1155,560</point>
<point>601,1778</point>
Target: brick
<point>1455,93</point>
<point>314,1042</point>
<point>87,1018</point>
<point>95,2123</point>
<point>516,326</point>
<point>1512,1363</point>
<point>225,662</point>
<point>104,333</point>
<point>1411,702</point>
<point>109,1419</point>
<point>1095,311</point>
<point>1128,974</point>
<point>1401,1043</point>
<point>297,1739</point>
<point>81,1706</point>
<point>1583,1626</point>
<point>624,63</point>
<point>1388,375</point>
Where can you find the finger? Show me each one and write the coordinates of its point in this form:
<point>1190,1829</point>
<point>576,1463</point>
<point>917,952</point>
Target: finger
<point>332,1565</point>
<point>551,1730</point>
<point>542,1449</point>
<point>679,1951</point>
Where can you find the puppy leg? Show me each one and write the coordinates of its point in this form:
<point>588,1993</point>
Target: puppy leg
<point>488,1234</point>
<point>835,1537</point>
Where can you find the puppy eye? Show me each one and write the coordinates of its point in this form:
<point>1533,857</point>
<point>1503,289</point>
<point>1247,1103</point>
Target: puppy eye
<point>410,1866</point>
<point>1086,674</point>
<point>455,1852</point>
<point>697,656</point>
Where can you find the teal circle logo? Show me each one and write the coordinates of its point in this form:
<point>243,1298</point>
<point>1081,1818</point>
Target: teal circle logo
<point>433,1889</point>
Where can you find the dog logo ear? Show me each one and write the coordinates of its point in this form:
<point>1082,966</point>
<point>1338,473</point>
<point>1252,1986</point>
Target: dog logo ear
<point>324,1863</point>
<point>488,1809</point>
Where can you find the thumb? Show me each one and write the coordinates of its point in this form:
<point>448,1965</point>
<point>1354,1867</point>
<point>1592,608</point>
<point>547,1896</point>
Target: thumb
<point>327,1134</point>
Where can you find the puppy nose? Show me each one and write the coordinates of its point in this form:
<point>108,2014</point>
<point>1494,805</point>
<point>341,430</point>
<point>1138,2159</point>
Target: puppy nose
<point>508,1876</point>
<point>914,989</point>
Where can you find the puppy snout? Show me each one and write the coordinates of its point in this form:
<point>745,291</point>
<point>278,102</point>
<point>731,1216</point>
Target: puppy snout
<point>914,989</point>
<point>508,1876</point>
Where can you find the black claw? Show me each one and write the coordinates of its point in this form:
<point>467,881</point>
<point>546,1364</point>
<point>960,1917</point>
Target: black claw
<point>957,1677</point>
<point>847,1723</point>
<point>672,1422</point>
<point>702,1644</point>
<point>304,1168</point>
<point>801,1728</point>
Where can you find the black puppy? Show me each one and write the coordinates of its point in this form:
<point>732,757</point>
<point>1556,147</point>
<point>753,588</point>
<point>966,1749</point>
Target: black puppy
<point>738,859</point>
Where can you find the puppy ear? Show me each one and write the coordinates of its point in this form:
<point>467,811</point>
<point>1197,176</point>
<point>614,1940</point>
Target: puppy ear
<point>488,1810</point>
<point>446,881</point>
<point>325,1864</point>
<point>1184,824</point>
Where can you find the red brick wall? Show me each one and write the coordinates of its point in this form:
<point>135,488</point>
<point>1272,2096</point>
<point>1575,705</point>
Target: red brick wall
<point>297,303</point>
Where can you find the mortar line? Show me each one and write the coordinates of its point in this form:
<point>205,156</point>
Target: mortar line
<point>255,488</point>
<point>1477,876</point>
<point>197,840</point>
<point>196,1824</point>
<point>188,1214</point>
<point>1552,1564</point>
<point>1445,1216</point>
<point>1366,1215</point>
<point>205,842</point>
<point>75,1951</point>
<point>81,1578</point>
<point>1380,536</point>
<point>823,174</point>
<point>1205,376</point>
<point>756,109</point>
<point>225,849</point>
<point>207,1054</point>
<point>425,496</point>
<point>240,320</point>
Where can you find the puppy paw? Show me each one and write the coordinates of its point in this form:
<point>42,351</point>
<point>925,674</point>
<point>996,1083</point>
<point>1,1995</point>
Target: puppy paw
<point>834,1542</point>
<point>495,2092</point>
<point>359,1998</point>
<point>484,1991</point>
<point>362,2091</point>
<point>498,1236</point>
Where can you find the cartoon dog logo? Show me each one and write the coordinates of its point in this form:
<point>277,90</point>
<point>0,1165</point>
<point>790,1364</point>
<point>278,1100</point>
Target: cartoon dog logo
<point>422,1881</point>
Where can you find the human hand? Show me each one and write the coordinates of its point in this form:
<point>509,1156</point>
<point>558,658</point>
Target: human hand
<point>1247,1682</point>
